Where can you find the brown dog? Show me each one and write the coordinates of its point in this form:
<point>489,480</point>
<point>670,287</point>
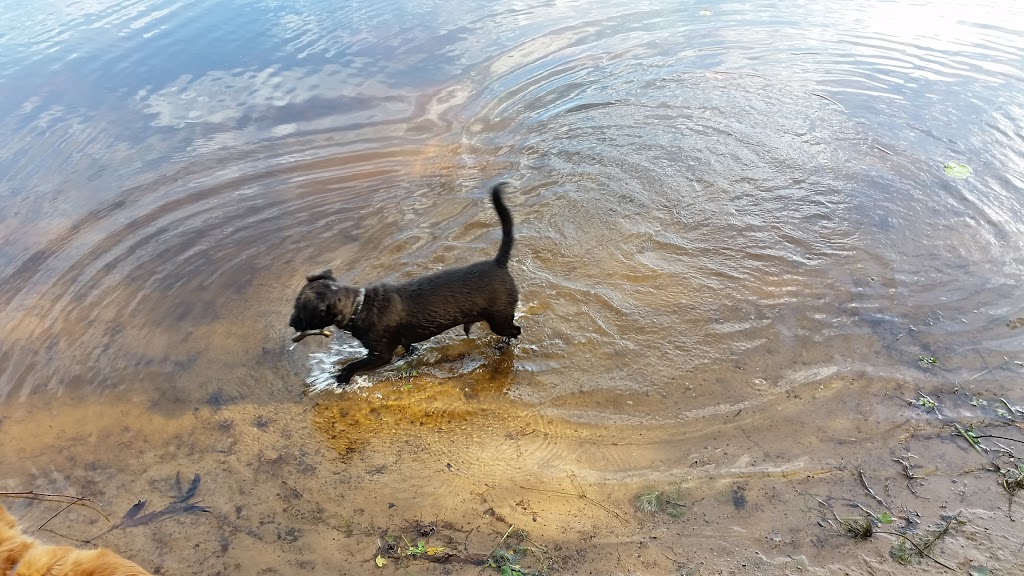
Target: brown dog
<point>385,316</point>
<point>24,556</point>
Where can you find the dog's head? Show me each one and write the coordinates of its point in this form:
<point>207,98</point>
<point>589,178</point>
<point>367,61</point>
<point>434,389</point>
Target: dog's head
<point>323,302</point>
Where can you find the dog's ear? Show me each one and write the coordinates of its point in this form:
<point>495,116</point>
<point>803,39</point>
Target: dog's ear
<point>325,275</point>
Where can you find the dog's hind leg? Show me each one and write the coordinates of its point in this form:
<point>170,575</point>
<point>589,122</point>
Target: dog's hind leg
<point>467,327</point>
<point>371,361</point>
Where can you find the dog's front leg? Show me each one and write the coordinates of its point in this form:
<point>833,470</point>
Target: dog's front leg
<point>371,361</point>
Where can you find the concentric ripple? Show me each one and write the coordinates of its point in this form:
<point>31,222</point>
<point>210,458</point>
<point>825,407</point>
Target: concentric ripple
<point>709,203</point>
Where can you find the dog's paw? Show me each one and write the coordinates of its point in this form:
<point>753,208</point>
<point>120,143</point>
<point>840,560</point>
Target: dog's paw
<point>504,344</point>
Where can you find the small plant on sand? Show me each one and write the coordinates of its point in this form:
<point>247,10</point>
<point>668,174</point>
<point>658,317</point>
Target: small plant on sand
<point>926,402</point>
<point>909,550</point>
<point>508,560</point>
<point>649,502</point>
<point>911,547</point>
<point>416,550</point>
<point>653,501</point>
<point>1013,478</point>
<point>858,528</point>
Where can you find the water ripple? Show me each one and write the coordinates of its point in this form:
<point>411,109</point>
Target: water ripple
<point>691,189</point>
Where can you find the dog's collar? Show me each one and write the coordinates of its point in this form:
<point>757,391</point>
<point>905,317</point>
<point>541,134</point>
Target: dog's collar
<point>358,307</point>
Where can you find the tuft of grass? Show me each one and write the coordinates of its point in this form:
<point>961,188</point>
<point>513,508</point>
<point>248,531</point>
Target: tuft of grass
<point>508,558</point>
<point>649,502</point>
<point>903,553</point>
<point>654,501</point>
<point>858,528</point>
<point>1013,478</point>
<point>910,550</point>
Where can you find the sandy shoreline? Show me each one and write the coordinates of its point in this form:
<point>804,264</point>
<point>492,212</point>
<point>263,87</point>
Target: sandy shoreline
<point>318,484</point>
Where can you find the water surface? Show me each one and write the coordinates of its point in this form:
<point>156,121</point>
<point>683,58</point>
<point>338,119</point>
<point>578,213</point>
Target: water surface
<point>737,249</point>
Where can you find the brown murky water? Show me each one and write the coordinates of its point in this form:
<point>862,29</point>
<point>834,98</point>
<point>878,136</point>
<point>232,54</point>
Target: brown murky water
<point>744,276</point>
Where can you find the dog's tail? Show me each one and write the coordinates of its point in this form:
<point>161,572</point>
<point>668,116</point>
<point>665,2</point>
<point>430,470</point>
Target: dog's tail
<point>505,250</point>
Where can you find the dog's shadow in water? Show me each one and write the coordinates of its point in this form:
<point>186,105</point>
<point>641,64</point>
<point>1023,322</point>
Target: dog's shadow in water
<point>445,387</point>
<point>487,362</point>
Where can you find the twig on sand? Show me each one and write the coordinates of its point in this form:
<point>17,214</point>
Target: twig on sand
<point>866,511</point>
<point>66,506</point>
<point>920,550</point>
<point>923,550</point>
<point>580,493</point>
<point>1000,438</point>
<point>829,99</point>
<point>293,488</point>
<point>969,436</point>
<point>864,482</point>
<point>49,497</point>
<point>500,542</point>
<point>737,73</point>
<point>906,469</point>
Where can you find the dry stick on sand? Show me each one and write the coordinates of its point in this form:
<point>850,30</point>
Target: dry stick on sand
<point>959,431</point>
<point>738,73</point>
<point>911,477</point>
<point>829,99</point>
<point>906,468</point>
<point>580,493</point>
<point>864,482</point>
<point>294,489</point>
<point>923,549</point>
<point>919,549</point>
<point>868,512</point>
<point>66,506</point>
<point>509,531</point>
<point>48,497</point>
<point>999,437</point>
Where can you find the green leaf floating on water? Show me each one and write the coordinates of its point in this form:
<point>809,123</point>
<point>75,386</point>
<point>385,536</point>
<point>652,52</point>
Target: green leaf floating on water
<point>957,170</point>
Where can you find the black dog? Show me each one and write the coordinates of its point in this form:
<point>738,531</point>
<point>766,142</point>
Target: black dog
<point>386,316</point>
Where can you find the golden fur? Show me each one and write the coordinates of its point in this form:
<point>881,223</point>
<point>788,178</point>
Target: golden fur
<point>21,555</point>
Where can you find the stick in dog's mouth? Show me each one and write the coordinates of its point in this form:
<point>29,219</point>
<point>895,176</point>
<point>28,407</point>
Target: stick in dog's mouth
<point>307,333</point>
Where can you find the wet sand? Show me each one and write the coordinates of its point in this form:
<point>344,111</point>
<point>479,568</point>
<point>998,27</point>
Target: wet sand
<point>317,485</point>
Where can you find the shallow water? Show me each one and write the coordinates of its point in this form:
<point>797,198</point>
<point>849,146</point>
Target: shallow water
<point>736,246</point>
